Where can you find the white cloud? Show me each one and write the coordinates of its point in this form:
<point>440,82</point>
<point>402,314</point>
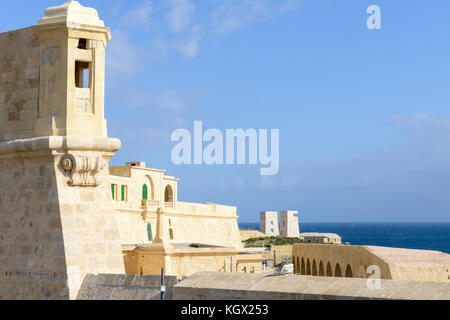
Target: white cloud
<point>290,5</point>
<point>188,47</point>
<point>123,58</point>
<point>140,16</point>
<point>169,100</point>
<point>180,14</point>
<point>232,15</point>
<point>277,183</point>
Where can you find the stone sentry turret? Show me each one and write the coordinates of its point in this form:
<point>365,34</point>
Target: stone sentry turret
<point>56,222</point>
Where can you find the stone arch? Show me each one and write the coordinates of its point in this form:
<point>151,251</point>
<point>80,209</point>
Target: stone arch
<point>337,271</point>
<point>321,269</point>
<point>151,192</point>
<point>314,268</point>
<point>348,272</point>
<point>329,270</point>
<point>168,194</point>
<point>303,268</point>
<point>297,266</point>
<point>308,267</point>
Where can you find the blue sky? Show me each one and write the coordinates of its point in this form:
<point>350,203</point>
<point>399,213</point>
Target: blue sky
<point>363,114</point>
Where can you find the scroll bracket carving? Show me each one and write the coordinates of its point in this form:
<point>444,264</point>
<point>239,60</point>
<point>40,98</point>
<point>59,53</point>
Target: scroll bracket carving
<point>83,169</point>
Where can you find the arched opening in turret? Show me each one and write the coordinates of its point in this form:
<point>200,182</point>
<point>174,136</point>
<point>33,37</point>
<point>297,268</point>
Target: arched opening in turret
<point>168,194</point>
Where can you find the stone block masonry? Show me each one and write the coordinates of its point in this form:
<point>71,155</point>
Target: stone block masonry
<point>51,233</point>
<point>19,82</point>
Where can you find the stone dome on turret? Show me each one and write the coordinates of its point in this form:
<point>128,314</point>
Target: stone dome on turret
<point>71,12</point>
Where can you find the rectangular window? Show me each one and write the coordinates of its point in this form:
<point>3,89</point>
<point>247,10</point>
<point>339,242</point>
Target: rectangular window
<point>82,74</point>
<point>83,44</point>
<point>113,191</point>
<point>124,193</point>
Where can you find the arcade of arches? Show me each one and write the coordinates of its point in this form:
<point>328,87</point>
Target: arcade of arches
<point>324,260</point>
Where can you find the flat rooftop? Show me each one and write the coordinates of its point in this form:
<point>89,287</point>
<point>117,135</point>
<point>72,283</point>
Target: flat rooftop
<point>317,234</point>
<point>411,257</point>
<point>240,286</point>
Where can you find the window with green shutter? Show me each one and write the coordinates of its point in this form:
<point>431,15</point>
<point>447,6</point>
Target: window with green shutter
<point>113,190</point>
<point>124,193</point>
<point>145,192</point>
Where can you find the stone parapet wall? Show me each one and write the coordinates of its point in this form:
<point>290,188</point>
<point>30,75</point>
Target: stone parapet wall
<point>124,287</point>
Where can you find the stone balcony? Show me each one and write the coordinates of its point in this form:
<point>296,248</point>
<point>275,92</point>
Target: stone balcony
<point>150,204</point>
<point>170,205</point>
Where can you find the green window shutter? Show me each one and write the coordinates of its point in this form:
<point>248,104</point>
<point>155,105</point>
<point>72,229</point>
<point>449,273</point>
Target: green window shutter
<point>145,192</point>
<point>123,193</point>
<point>149,231</point>
<point>113,190</point>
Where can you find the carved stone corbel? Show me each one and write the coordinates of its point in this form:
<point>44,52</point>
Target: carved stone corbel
<point>83,169</point>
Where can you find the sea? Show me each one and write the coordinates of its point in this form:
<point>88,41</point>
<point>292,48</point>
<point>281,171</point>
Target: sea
<point>427,236</point>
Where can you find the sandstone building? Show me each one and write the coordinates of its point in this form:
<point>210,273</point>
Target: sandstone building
<point>269,223</point>
<point>289,224</point>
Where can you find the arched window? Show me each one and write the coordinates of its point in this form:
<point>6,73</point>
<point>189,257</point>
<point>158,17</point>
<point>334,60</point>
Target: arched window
<point>168,194</point>
<point>149,232</point>
<point>144,192</point>
<point>348,272</point>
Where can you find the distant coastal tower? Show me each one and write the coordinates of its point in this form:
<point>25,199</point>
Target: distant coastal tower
<point>289,224</point>
<point>269,223</point>
<point>56,221</point>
